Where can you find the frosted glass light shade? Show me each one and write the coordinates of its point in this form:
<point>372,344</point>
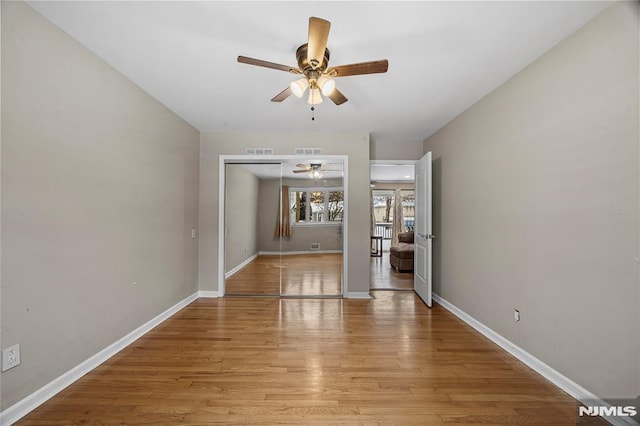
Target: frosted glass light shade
<point>327,85</point>
<point>315,97</point>
<point>299,86</point>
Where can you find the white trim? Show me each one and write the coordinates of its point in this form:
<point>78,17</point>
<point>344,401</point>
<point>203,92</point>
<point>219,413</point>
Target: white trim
<point>221,230</point>
<point>357,295</point>
<point>240,266</point>
<point>393,162</point>
<point>285,253</point>
<point>312,224</point>
<point>37,398</point>
<point>549,373</point>
<point>345,223</point>
<point>208,294</point>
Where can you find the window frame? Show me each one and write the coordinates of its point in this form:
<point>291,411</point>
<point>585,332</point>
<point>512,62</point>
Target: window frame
<point>326,190</point>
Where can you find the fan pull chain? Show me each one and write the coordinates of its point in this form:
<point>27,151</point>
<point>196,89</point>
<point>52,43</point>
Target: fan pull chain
<point>313,114</point>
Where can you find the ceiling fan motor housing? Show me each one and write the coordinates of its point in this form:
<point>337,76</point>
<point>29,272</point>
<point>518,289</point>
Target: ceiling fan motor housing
<point>308,69</point>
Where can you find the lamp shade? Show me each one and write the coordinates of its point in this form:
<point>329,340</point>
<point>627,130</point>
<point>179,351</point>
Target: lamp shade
<point>299,86</point>
<point>315,97</point>
<point>327,85</point>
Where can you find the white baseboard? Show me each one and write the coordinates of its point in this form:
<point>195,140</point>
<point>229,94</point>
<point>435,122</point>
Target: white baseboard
<point>37,398</point>
<point>285,253</point>
<point>554,376</point>
<point>208,294</point>
<point>357,295</point>
<point>240,266</point>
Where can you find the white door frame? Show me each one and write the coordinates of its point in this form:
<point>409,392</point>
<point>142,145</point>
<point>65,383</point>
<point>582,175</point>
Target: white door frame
<point>231,159</point>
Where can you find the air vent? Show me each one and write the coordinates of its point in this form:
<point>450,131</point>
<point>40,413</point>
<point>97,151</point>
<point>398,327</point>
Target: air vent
<point>308,151</point>
<point>315,246</point>
<point>259,151</point>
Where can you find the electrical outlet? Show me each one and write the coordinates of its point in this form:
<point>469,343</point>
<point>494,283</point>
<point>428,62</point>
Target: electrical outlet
<point>516,315</point>
<point>10,357</point>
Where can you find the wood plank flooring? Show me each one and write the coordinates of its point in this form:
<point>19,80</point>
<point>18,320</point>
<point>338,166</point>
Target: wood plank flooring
<point>385,277</point>
<point>300,274</point>
<point>389,360</point>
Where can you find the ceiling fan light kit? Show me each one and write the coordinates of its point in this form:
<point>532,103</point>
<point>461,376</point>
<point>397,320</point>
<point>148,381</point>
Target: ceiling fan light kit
<point>298,87</point>
<point>313,62</point>
<point>314,96</point>
<point>326,84</point>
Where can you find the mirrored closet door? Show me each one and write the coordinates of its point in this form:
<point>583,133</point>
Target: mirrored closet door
<point>312,254</point>
<point>284,228</point>
<point>252,252</point>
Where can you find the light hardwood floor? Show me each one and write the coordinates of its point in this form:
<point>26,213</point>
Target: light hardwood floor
<point>389,360</point>
<point>291,275</point>
<point>385,277</point>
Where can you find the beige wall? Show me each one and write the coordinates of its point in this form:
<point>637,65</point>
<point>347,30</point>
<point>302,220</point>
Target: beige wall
<point>536,207</point>
<point>355,146</point>
<point>99,190</point>
<point>395,150</point>
<point>242,215</point>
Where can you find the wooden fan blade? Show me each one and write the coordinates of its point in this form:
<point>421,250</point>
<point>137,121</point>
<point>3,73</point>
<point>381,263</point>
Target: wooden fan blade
<point>372,67</point>
<point>318,36</point>
<point>337,97</point>
<point>329,170</point>
<point>266,64</point>
<point>301,171</point>
<point>304,166</point>
<point>282,95</point>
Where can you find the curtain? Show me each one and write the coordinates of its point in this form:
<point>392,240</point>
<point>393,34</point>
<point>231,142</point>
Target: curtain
<point>398,218</point>
<point>283,225</point>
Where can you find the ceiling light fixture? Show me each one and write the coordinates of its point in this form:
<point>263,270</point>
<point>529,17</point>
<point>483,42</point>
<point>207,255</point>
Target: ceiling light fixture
<point>313,67</point>
<point>298,87</point>
<point>327,85</point>
<point>314,96</point>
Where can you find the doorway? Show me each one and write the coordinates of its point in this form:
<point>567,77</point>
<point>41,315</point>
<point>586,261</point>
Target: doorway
<point>393,216</point>
<point>284,221</point>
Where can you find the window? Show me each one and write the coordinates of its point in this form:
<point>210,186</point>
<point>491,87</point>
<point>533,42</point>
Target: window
<point>383,208</point>
<point>316,205</point>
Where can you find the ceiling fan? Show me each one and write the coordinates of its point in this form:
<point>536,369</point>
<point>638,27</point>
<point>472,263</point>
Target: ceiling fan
<point>314,169</point>
<point>313,65</point>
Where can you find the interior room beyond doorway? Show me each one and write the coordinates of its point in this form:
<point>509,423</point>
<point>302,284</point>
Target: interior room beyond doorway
<point>393,218</point>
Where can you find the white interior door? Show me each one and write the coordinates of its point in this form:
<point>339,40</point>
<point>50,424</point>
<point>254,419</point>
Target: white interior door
<point>423,236</point>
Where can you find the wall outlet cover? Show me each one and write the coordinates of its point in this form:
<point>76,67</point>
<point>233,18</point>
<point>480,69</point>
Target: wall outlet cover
<point>10,357</point>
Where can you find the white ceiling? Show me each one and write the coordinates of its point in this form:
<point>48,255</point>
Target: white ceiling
<point>443,57</point>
